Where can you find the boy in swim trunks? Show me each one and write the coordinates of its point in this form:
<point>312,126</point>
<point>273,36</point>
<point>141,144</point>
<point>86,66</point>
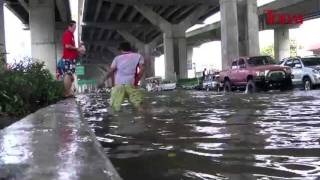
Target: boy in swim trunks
<point>125,67</point>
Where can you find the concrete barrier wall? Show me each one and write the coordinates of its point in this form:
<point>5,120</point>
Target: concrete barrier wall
<point>53,143</point>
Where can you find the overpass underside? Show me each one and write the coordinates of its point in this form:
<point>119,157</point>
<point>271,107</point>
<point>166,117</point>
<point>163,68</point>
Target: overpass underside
<point>149,25</point>
<point>146,24</point>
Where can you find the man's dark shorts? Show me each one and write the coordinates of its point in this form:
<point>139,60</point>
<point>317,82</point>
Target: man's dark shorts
<point>67,66</point>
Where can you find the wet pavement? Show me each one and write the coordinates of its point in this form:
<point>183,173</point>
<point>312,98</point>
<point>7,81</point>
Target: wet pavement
<point>55,143</point>
<point>188,135</point>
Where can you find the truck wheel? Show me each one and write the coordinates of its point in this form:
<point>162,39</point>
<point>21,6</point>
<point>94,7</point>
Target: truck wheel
<point>227,86</point>
<point>251,87</point>
<point>307,84</point>
<point>286,85</point>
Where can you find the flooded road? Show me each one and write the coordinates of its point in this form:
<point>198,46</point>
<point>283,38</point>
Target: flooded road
<point>193,135</point>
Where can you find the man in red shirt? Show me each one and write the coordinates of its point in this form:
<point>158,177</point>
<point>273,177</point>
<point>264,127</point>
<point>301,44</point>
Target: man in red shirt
<point>70,54</point>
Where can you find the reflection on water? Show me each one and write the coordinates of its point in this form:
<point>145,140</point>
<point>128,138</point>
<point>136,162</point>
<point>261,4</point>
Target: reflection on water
<point>201,135</point>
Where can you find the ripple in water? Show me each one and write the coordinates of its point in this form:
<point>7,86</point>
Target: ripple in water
<point>201,135</point>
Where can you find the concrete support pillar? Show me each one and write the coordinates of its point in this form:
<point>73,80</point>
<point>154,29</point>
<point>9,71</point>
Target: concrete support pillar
<point>281,43</point>
<point>58,42</point>
<point>175,46</point>
<point>229,32</point>
<point>239,29</point>
<point>2,31</point>
<point>42,25</point>
<point>189,57</point>
<point>149,61</point>
<point>248,26</point>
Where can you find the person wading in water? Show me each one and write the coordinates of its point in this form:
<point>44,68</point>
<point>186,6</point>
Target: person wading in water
<point>128,68</point>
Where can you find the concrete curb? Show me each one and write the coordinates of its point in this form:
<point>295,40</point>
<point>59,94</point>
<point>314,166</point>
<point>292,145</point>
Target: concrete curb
<point>55,142</point>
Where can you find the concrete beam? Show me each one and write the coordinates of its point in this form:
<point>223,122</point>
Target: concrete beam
<point>110,10</point>
<point>101,33</point>
<point>193,18</point>
<point>121,13</point>
<point>205,29</point>
<point>109,35</point>
<point>106,43</point>
<point>283,6</point>
<point>19,16</point>
<point>62,9</point>
<point>98,9</point>
<point>114,50</point>
<point>162,9</point>
<point>176,9</point>
<point>276,5</point>
<point>112,25</point>
<point>153,17</point>
<point>165,2</point>
<point>156,41</point>
<point>130,38</point>
<point>209,33</point>
<point>309,9</point>
<point>132,15</point>
<point>24,5</point>
<point>92,34</point>
<point>183,13</point>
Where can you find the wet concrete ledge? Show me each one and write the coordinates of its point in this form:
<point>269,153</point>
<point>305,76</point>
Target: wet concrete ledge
<point>53,143</point>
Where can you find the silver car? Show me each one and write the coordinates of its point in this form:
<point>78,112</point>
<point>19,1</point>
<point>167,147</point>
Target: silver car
<point>211,82</point>
<point>305,70</point>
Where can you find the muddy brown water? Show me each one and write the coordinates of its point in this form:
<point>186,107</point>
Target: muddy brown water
<point>193,135</point>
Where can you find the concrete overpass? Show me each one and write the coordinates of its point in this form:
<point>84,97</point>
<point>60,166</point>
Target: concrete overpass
<point>310,9</point>
<point>46,20</point>
<point>151,23</point>
<point>145,24</point>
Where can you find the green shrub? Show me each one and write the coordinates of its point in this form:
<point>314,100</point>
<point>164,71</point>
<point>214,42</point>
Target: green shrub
<point>27,86</point>
<point>2,65</point>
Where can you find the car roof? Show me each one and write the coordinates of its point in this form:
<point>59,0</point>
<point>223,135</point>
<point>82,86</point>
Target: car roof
<point>314,56</point>
<point>248,57</point>
<point>299,57</point>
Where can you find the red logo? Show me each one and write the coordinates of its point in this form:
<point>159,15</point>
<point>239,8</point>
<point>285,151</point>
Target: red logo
<point>283,18</point>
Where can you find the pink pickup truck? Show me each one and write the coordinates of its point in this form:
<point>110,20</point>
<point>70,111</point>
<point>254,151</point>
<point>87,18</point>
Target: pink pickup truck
<point>256,73</point>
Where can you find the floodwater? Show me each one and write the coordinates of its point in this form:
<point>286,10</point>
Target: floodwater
<point>194,135</point>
